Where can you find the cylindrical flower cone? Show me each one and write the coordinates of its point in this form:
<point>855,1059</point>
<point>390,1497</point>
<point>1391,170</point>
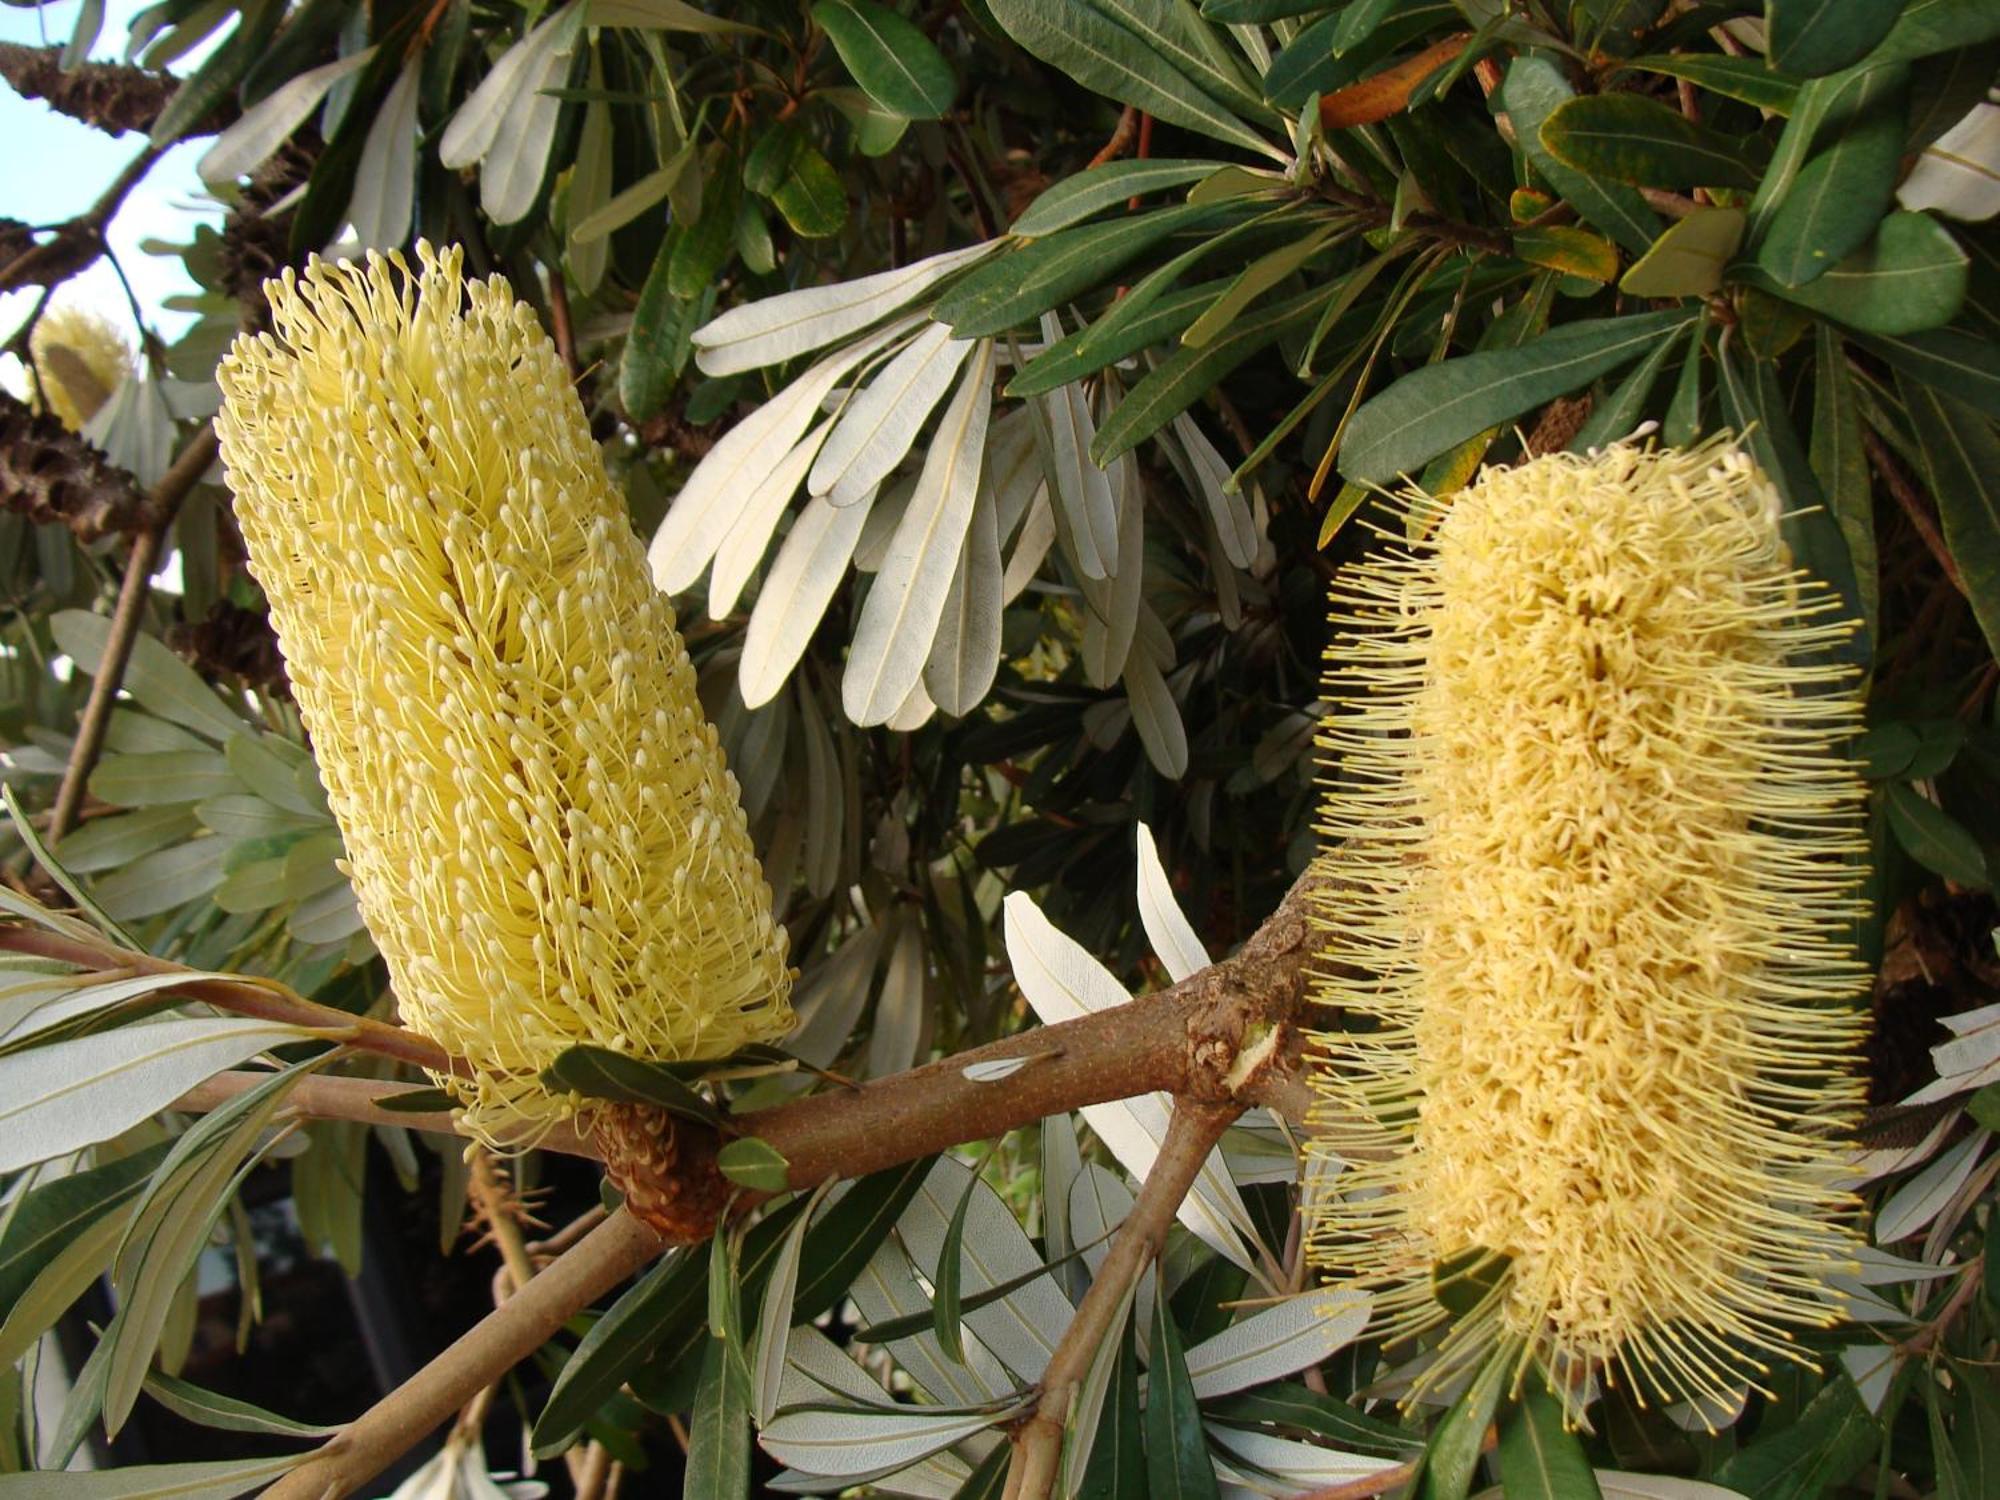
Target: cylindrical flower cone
<point>546,844</point>
<point>78,360</point>
<point>1594,845</point>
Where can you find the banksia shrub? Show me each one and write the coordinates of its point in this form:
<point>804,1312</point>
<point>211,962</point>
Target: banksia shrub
<point>1594,871</point>
<point>79,360</point>
<point>543,837</point>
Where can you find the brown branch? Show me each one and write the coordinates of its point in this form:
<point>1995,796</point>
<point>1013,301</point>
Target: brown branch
<point>1121,140</point>
<point>166,498</point>
<point>78,243</point>
<point>359,1099</point>
<point>54,476</point>
<point>1191,1135</point>
<point>1906,494</point>
<point>499,1341</point>
<point>114,97</point>
<point>1184,1040</point>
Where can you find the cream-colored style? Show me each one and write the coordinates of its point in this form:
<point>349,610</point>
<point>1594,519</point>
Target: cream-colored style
<point>545,841</point>
<point>1596,857</point>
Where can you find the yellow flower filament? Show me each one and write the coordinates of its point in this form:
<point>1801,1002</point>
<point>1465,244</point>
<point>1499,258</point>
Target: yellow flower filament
<point>545,842</point>
<point>77,361</point>
<point>1594,845</point>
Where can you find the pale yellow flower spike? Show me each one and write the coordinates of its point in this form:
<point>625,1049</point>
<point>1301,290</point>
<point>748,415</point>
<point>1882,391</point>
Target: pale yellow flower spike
<point>546,844</point>
<point>77,361</point>
<point>1595,861</point>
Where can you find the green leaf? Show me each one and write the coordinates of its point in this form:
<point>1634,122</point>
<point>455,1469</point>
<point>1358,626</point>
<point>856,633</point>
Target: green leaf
<point>1927,27</point>
<point>1431,409</point>
<point>666,1299</point>
<point>1961,455</point>
<point>1177,1461</point>
<point>1744,78</point>
<point>1754,406</point>
<point>1961,365</point>
<point>702,249</point>
<point>847,1235</point>
<point>52,1215</point>
<point>1935,839</point>
<point>1688,259</point>
<point>1107,59</point>
<point>1683,421</point>
<point>216,1479</point>
<point>158,680</point>
<point>225,1413</point>
<point>1630,138</point>
<point>718,1454</point>
<point>1909,279</point>
<point>1013,288</point>
<point>1095,189</point>
<point>1810,37</point>
<point>812,197</point>
<point>1117,1468</point>
<point>108,843</point>
<point>1534,89</point>
<point>655,351</point>
<point>769,162</point>
<point>1186,375</point>
<point>1831,1437</point>
<point>1451,1458</point>
<point>1840,194</point>
<point>1255,279</point>
<point>1295,1408</point>
<point>600,1073</point>
<point>989,1480</point>
<point>895,63</point>
<point>1112,337</point>
<point>1624,408</point>
<point>1540,1458</point>
<point>755,1164</point>
<point>1841,466</point>
<point>949,1276</point>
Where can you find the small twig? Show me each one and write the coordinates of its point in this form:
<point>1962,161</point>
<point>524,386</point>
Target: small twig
<point>565,336</point>
<point>1926,1338</point>
<point>1121,140</point>
<point>499,1341</point>
<point>1898,484</point>
<point>90,730</point>
<point>1191,1135</point>
<point>79,242</point>
<point>359,1099</point>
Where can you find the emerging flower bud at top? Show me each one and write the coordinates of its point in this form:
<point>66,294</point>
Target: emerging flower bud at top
<point>78,361</point>
<point>1595,869</point>
<point>544,839</point>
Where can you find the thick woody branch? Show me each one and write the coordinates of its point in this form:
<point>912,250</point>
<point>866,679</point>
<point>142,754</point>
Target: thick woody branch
<point>78,243</point>
<point>114,97</point>
<point>1230,1033</point>
<point>510,1333</point>
<point>1191,1135</point>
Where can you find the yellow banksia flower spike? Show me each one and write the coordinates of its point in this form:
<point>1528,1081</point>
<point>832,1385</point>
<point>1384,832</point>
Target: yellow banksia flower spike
<point>545,842</point>
<point>78,360</point>
<point>1595,859</point>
